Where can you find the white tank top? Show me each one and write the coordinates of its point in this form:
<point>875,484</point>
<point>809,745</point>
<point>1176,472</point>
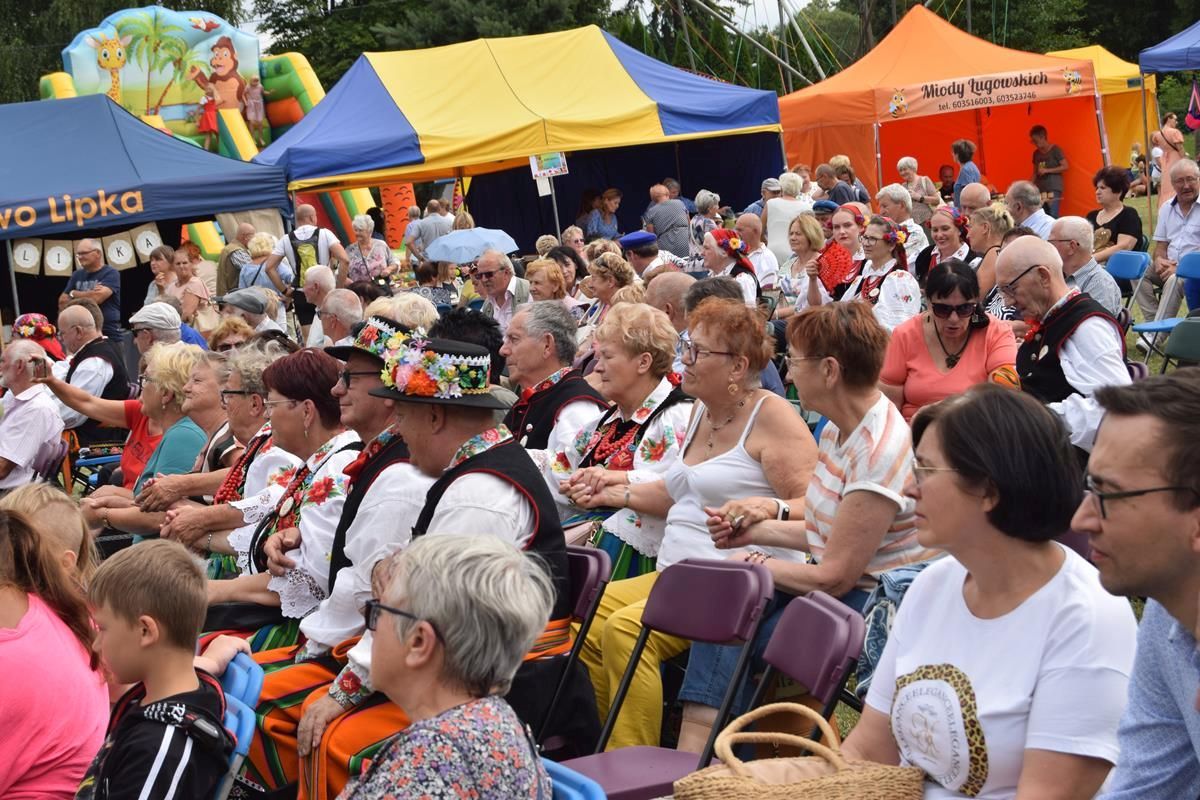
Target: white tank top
<point>732,475</point>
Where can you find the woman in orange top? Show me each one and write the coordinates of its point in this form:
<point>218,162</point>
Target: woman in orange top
<point>949,348</point>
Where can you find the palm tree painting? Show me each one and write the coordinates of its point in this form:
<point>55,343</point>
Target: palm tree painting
<point>151,39</point>
<point>181,57</point>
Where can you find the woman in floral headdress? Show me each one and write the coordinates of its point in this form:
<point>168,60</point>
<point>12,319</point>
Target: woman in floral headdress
<point>725,254</point>
<point>306,422</point>
<point>884,280</point>
<point>37,328</point>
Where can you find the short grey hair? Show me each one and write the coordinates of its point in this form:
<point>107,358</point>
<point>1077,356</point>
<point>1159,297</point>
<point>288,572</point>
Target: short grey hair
<point>908,162</point>
<point>791,183</point>
<point>505,261</point>
<point>1027,194</point>
<point>486,600</point>
<point>250,361</point>
<point>1078,230</point>
<point>897,194</point>
<point>1184,163</point>
<point>363,223</point>
<point>551,317</point>
<point>408,308</point>
<point>25,350</point>
<point>164,335</point>
<point>569,230</point>
<point>345,305</point>
<point>218,362</point>
<point>319,275</point>
<point>706,201</point>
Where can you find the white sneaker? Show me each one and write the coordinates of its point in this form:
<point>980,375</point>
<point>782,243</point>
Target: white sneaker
<point>1144,343</point>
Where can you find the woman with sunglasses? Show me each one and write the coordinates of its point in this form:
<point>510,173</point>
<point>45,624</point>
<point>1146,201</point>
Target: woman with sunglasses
<point>883,279</point>
<point>949,348</point>
<point>1007,667</point>
<point>306,422</point>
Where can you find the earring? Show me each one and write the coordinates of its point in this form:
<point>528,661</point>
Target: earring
<point>733,389</point>
<point>306,433</point>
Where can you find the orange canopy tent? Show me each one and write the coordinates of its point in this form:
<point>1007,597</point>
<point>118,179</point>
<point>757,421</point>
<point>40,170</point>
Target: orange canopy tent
<point>928,83</point>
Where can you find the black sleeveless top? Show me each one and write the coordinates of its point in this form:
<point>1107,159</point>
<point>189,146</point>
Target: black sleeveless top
<point>510,462</point>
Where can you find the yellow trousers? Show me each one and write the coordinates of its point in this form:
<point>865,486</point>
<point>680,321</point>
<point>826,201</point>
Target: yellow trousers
<point>606,653</point>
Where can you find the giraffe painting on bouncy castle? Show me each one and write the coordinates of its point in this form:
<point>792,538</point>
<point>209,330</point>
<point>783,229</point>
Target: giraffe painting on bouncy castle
<point>230,86</point>
<point>110,57</point>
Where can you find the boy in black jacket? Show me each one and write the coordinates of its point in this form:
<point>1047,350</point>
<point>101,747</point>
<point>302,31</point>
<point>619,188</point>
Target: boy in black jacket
<point>165,738</point>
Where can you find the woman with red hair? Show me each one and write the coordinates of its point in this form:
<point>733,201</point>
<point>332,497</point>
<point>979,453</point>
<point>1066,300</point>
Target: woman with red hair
<point>295,538</point>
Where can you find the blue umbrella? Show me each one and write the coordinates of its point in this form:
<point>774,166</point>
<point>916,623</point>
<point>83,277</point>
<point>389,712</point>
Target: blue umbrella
<point>463,247</point>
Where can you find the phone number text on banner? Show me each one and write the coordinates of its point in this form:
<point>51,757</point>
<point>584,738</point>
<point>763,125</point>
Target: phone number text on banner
<point>999,89</point>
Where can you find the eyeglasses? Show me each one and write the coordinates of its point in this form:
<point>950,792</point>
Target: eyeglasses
<point>227,393</point>
<point>1010,288</point>
<point>693,352</point>
<point>86,252</point>
<point>373,607</point>
<point>225,347</point>
<point>944,310</point>
<point>869,241</point>
<point>1061,241</point>
<point>136,331</point>
<point>794,361</point>
<point>143,379</point>
<point>346,375</point>
<point>484,276</point>
<point>269,403</point>
<point>1089,486</point>
<point>920,471</point>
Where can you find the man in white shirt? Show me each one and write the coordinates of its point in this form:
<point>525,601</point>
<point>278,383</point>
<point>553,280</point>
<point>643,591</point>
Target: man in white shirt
<point>1024,201</point>
<point>305,247</point>
<point>1074,346</point>
<point>555,401</point>
<point>318,283</point>
<point>1176,233</point>
<point>1073,237</point>
<point>895,203</point>
<point>766,265</point>
<point>94,364</point>
<point>31,426</point>
<point>493,276</point>
<point>340,312</point>
<point>250,305</point>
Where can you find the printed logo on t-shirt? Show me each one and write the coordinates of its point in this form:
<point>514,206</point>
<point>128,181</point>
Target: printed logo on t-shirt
<point>935,722</point>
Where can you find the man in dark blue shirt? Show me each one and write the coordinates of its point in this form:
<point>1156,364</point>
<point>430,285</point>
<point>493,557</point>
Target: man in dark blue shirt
<point>98,282</point>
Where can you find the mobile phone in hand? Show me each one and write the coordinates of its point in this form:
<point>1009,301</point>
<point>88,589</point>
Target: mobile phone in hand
<point>39,367</point>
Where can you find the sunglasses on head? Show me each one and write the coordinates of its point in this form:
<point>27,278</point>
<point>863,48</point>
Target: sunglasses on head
<point>944,310</point>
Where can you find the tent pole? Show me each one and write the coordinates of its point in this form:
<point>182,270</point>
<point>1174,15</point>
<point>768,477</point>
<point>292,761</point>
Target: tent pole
<point>804,40</point>
<point>1100,125</point>
<point>878,160</point>
<point>687,37</point>
<point>1149,160</point>
<point>554,205</point>
<point>703,6</point>
<point>12,277</point>
<point>783,41</point>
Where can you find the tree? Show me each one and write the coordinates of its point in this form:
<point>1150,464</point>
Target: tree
<point>418,25</point>
<point>36,31</point>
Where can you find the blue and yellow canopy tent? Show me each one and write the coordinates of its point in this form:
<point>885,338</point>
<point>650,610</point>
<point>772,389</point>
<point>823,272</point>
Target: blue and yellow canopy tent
<point>485,106</point>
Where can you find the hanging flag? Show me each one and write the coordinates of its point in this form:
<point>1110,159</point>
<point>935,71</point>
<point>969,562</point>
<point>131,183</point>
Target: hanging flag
<point>1193,112</point>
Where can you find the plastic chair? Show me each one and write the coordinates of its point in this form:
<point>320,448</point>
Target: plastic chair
<point>476,304</point>
<point>243,679</point>
<point>239,721</point>
<point>1188,269</point>
<point>1128,265</point>
<point>590,569</point>
<point>719,602</point>
<point>570,785</point>
<point>1184,342</point>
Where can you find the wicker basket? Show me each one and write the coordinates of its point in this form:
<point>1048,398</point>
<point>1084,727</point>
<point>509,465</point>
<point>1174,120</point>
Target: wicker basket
<point>823,776</point>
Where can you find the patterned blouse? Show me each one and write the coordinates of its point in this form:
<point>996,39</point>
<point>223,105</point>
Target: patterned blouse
<point>478,750</point>
<point>647,462</point>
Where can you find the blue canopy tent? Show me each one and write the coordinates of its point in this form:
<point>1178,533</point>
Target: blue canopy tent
<point>1175,54</point>
<point>623,118</point>
<point>84,165</point>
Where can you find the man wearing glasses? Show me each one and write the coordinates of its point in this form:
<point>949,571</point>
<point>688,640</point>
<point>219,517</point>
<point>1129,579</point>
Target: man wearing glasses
<point>494,279</point>
<point>95,281</point>
<point>1073,346</point>
<point>1142,510</point>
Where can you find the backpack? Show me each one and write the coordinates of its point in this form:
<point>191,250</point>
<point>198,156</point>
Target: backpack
<point>305,251</point>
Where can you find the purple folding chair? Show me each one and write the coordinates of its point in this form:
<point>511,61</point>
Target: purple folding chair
<point>590,569</point>
<point>719,602</point>
<point>816,643</point>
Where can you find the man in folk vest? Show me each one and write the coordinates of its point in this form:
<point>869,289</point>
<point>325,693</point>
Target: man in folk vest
<point>1073,346</point>
<point>555,401</point>
<point>385,495</point>
<point>94,364</point>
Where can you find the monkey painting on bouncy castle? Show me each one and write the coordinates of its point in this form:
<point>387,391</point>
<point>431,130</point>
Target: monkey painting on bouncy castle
<point>230,86</point>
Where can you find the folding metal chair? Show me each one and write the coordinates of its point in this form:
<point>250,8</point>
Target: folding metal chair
<point>590,569</point>
<point>1188,269</point>
<point>239,721</point>
<point>1184,342</point>
<point>816,643</point>
<point>1128,265</point>
<point>719,602</point>
<point>570,785</point>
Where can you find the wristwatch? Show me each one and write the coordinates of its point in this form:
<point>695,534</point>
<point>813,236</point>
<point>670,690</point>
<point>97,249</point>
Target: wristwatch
<point>784,510</point>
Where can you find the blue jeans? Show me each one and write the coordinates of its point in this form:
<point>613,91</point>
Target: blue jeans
<point>711,666</point>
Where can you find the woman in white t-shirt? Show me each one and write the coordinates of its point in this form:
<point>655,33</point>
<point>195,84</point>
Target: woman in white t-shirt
<point>1006,670</point>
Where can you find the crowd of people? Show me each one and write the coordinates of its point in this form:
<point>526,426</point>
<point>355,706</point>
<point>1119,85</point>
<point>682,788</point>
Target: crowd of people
<point>368,483</point>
